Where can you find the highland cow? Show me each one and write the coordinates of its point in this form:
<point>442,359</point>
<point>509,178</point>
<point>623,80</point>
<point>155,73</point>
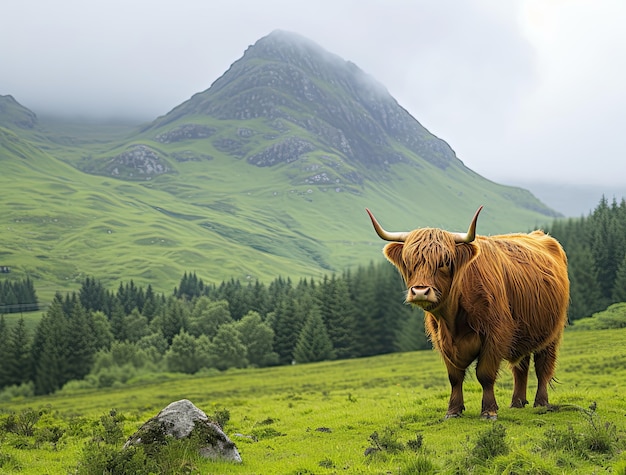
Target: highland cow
<point>486,299</point>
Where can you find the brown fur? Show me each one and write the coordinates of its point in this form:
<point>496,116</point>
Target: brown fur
<point>497,298</point>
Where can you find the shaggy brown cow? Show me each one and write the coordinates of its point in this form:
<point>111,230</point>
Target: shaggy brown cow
<point>487,299</point>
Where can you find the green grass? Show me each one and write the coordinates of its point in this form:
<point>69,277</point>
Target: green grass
<point>321,418</point>
<point>221,218</point>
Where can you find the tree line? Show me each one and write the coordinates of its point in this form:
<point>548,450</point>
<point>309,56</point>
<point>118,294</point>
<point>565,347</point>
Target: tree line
<point>100,337</point>
<point>97,338</point>
<point>596,249</point>
<point>18,296</point>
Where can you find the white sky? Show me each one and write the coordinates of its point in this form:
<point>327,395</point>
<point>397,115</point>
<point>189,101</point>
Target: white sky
<point>522,90</point>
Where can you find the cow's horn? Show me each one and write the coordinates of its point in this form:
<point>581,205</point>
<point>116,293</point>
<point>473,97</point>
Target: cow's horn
<point>387,236</point>
<point>471,232</point>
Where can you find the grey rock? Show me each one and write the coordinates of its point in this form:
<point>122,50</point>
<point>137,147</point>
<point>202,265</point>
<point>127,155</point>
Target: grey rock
<point>139,158</point>
<point>182,419</point>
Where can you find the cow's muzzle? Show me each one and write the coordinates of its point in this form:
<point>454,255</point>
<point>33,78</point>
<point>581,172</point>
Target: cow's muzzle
<point>422,295</point>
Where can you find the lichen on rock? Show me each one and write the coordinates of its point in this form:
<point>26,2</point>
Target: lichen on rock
<point>183,420</point>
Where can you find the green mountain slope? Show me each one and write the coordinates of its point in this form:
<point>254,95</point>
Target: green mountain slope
<point>266,173</point>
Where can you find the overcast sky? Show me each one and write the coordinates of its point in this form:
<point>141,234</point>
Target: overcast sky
<point>522,90</point>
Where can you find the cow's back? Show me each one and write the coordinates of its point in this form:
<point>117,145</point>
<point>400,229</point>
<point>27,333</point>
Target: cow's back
<point>525,277</point>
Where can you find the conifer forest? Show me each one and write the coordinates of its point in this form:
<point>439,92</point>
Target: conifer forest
<point>97,337</point>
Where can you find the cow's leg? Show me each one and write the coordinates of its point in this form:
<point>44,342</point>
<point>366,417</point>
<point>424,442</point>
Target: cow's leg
<point>486,373</point>
<point>545,363</point>
<point>456,377</point>
<point>520,376</point>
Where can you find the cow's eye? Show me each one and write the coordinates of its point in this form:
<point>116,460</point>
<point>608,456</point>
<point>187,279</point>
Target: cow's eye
<point>444,267</point>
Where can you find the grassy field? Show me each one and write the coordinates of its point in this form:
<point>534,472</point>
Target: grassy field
<point>219,217</point>
<point>322,418</point>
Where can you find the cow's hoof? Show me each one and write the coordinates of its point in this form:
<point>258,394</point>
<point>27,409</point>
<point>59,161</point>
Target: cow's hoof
<point>518,403</point>
<point>453,415</point>
<point>489,416</point>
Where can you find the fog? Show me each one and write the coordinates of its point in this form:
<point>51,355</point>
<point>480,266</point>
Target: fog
<point>522,90</point>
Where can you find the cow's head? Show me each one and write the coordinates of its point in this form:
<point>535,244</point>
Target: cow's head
<point>429,259</point>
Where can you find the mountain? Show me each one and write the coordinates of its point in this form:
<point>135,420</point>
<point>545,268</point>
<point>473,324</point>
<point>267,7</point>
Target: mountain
<point>574,200</point>
<point>14,115</point>
<point>265,173</point>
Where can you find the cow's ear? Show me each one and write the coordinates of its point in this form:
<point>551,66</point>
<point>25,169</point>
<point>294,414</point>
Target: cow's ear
<point>466,253</point>
<point>393,252</point>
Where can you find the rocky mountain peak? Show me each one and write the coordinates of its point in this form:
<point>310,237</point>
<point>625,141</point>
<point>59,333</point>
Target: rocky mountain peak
<point>287,78</point>
<point>300,52</point>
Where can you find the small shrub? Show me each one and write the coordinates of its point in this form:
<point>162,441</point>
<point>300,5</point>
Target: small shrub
<point>108,459</point>
<point>387,442</point>
<point>596,437</point>
<point>417,443</point>
<point>221,417</point>
<point>601,437</point>
<point>491,443</point>
<point>22,423</point>
<point>111,428</point>
<point>50,435</point>
<point>266,433</point>
<point>77,426</point>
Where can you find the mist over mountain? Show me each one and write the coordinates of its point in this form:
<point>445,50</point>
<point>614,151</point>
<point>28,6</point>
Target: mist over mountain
<point>573,200</point>
<point>265,173</point>
<point>285,78</point>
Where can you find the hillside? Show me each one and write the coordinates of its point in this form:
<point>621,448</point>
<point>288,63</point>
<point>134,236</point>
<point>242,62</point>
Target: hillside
<point>265,173</point>
<point>401,396</point>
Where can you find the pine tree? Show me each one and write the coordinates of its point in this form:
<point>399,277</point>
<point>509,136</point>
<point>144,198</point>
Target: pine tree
<point>603,246</point>
<point>279,290</point>
<point>339,316</point>
<point>4,345</point>
<point>190,287</point>
<point>390,294</point>
<point>286,325</point>
<point>29,295</point>
<point>118,322</point>
<point>379,300</point>
<point>18,296</point>
<point>50,349</point>
<point>17,362</point>
<point>619,285</point>
<point>81,344</point>
<point>411,335</point>
<point>150,306</point>
<point>92,295</point>
<point>172,318</point>
<point>233,292</point>
<point>8,299</point>
<point>313,343</point>
<point>130,297</point>
<point>257,298</point>
<point>585,293</point>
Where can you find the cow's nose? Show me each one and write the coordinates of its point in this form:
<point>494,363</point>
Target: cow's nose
<point>420,291</point>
